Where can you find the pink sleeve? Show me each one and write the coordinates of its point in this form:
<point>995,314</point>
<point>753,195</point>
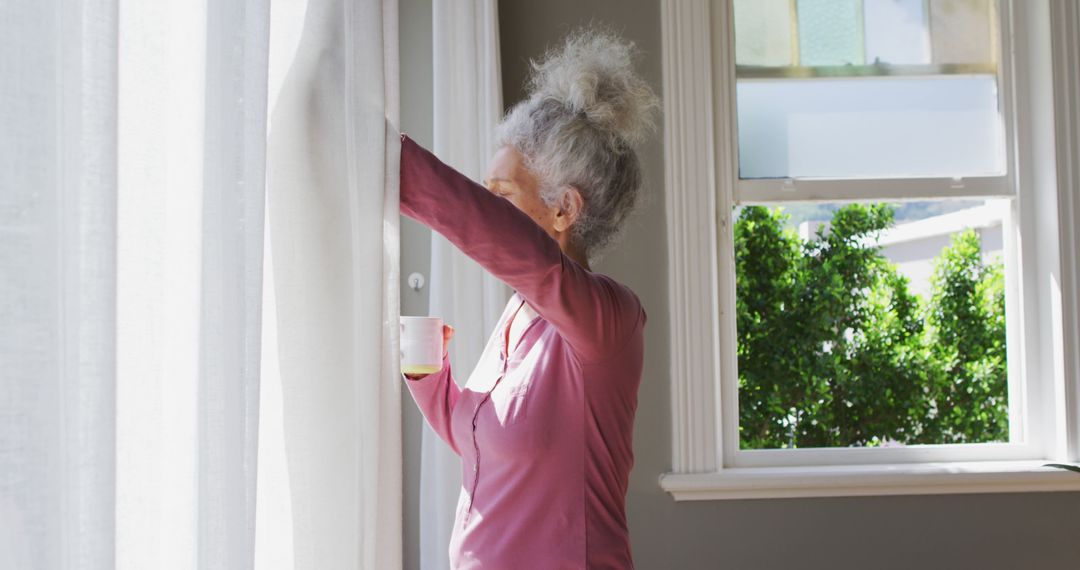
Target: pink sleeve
<point>593,313</point>
<point>435,395</point>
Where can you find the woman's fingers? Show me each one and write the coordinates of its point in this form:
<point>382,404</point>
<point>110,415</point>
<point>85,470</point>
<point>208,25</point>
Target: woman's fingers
<point>447,334</point>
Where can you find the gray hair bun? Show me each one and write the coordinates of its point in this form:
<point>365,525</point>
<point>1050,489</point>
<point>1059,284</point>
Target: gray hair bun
<point>593,74</point>
<point>586,110</point>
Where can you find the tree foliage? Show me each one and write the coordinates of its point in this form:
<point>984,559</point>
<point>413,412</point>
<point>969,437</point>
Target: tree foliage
<point>835,350</point>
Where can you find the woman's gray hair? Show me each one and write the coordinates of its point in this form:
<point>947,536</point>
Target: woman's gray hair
<point>585,112</point>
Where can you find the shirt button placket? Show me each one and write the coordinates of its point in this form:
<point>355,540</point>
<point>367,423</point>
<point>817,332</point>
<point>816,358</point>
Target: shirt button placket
<point>476,450</point>
<point>476,414</point>
<point>476,457</point>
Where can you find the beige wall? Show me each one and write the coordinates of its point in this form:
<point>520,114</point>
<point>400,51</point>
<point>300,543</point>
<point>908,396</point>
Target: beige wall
<point>416,112</point>
<point>964,531</point>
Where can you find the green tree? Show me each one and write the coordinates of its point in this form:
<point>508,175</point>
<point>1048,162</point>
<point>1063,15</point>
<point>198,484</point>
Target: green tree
<point>965,320</point>
<point>766,257</point>
<point>834,349</point>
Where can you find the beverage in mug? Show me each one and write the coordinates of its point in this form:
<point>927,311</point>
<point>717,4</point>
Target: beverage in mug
<point>421,345</point>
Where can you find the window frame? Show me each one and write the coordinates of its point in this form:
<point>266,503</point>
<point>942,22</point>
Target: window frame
<point>1024,438</point>
<point>701,175</point>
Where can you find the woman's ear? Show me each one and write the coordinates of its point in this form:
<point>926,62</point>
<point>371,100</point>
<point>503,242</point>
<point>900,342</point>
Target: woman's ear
<point>571,206</point>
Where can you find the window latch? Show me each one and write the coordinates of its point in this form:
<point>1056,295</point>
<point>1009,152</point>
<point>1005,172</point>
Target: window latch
<point>956,182</point>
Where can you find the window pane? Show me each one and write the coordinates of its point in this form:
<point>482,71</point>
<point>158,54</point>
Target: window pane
<point>830,32</point>
<point>869,128</point>
<point>767,27</point>
<point>871,324</point>
<point>896,32</point>
<point>963,31</point>
<point>879,89</point>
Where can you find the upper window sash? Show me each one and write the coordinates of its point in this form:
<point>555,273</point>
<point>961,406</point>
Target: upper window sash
<point>796,188</point>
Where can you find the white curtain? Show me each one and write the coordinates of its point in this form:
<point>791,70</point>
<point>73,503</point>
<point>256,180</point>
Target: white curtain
<point>132,139</point>
<point>468,105</point>
<point>57,283</point>
<point>333,213</point>
<point>191,156</point>
<point>133,173</point>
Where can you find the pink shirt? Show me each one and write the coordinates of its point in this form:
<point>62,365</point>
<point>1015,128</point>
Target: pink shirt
<point>544,429</point>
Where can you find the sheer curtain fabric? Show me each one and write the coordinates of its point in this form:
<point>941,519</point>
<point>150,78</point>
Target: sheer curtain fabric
<point>133,179</point>
<point>57,283</point>
<point>131,203</point>
<point>192,159</point>
<point>333,211</point>
<point>467,107</point>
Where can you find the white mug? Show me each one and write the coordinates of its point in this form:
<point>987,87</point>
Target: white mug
<point>421,345</point>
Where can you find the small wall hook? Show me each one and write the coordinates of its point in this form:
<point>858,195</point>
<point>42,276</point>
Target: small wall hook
<point>416,281</point>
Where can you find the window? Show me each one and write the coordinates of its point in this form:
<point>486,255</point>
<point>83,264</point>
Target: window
<point>864,324</point>
<point>865,313</point>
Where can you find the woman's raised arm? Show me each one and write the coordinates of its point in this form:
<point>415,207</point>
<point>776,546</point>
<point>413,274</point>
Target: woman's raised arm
<point>593,313</point>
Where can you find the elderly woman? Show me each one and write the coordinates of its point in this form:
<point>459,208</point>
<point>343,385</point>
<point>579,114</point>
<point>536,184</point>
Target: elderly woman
<point>544,424</point>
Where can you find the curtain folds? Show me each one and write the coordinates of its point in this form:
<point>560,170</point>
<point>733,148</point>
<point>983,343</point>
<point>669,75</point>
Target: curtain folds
<point>192,139</point>
<point>467,79</point>
<point>58,236</point>
<point>136,175</point>
<point>333,167</point>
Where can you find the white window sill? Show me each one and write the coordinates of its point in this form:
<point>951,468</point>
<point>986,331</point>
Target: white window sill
<point>866,480</point>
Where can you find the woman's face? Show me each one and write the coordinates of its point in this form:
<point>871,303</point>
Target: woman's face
<point>509,178</point>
